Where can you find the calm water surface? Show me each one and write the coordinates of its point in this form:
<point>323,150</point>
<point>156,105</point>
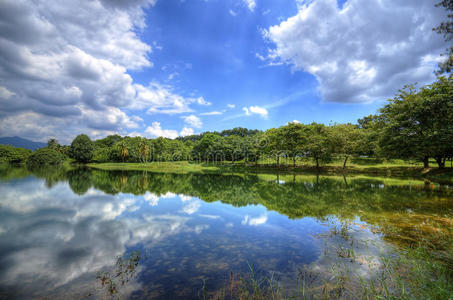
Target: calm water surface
<point>60,229</point>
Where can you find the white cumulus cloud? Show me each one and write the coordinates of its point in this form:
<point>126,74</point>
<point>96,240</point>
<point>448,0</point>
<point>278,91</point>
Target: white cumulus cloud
<point>155,130</point>
<point>187,131</point>
<point>65,66</point>
<point>364,51</point>
<point>193,121</point>
<point>261,111</point>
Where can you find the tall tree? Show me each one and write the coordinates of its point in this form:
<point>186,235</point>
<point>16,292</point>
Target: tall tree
<point>419,123</point>
<point>143,150</point>
<point>345,139</point>
<point>123,151</point>
<point>52,143</point>
<point>294,138</point>
<point>81,148</point>
<point>274,145</point>
<point>319,146</point>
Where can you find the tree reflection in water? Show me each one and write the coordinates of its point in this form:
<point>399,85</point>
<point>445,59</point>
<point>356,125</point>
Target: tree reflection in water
<point>400,212</point>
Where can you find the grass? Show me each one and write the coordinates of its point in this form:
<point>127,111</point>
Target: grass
<point>421,272</point>
<point>364,166</point>
<point>161,167</point>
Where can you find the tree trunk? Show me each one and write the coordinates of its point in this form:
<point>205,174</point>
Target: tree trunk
<point>345,181</point>
<point>345,161</point>
<point>440,162</point>
<point>317,163</point>
<point>426,162</point>
<point>278,160</point>
<point>294,162</point>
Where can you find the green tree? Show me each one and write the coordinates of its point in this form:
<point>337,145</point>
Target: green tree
<point>273,144</point>
<point>370,129</point>
<point>345,140</point>
<point>294,140</point>
<point>319,146</point>
<point>419,123</point>
<point>144,150</point>
<point>45,156</point>
<point>122,150</point>
<point>206,149</point>
<point>10,154</point>
<point>81,148</point>
<point>52,143</point>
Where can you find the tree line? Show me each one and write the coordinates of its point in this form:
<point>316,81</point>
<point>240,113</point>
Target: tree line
<point>415,124</point>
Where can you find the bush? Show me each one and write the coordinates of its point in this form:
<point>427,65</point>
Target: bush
<point>45,156</point>
<point>102,154</point>
<point>10,154</point>
<point>81,148</point>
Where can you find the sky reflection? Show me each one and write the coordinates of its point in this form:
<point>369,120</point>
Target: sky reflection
<point>55,238</point>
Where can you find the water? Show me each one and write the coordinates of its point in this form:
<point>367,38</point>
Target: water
<point>59,229</point>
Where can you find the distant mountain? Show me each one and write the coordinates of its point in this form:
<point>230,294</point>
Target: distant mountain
<point>21,143</point>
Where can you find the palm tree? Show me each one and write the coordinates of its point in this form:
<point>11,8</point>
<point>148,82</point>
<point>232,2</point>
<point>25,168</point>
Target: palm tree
<point>143,150</point>
<point>123,150</point>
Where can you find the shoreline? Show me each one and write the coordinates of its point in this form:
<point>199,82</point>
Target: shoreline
<point>431,174</point>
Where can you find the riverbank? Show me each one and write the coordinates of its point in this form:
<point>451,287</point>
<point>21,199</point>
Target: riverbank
<point>388,170</point>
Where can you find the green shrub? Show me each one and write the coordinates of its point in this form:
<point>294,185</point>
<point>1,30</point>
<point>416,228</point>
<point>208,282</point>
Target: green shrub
<point>45,156</point>
<point>102,154</point>
<point>10,154</point>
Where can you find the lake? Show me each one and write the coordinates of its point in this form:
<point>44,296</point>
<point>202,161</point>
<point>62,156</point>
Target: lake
<point>81,233</point>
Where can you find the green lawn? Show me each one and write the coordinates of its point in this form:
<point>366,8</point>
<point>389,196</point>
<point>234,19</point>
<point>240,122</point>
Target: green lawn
<point>397,168</point>
<point>161,167</point>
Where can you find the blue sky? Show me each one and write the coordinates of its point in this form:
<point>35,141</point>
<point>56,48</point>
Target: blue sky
<point>169,68</point>
<point>220,49</point>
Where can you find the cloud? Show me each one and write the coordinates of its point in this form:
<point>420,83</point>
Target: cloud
<point>193,121</point>
<point>65,66</point>
<point>5,93</point>
<point>156,131</point>
<point>191,207</point>
<point>231,105</point>
<point>254,221</point>
<point>233,13</point>
<point>160,99</point>
<point>362,52</point>
<point>251,4</point>
<point>202,101</point>
<point>261,111</point>
<point>211,113</point>
<point>68,234</point>
<point>187,131</point>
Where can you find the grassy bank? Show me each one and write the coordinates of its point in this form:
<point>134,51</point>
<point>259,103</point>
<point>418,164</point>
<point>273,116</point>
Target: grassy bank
<point>397,169</point>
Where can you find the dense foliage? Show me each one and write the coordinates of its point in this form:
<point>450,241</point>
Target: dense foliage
<point>419,124</point>
<point>10,154</point>
<point>81,148</point>
<point>45,156</point>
